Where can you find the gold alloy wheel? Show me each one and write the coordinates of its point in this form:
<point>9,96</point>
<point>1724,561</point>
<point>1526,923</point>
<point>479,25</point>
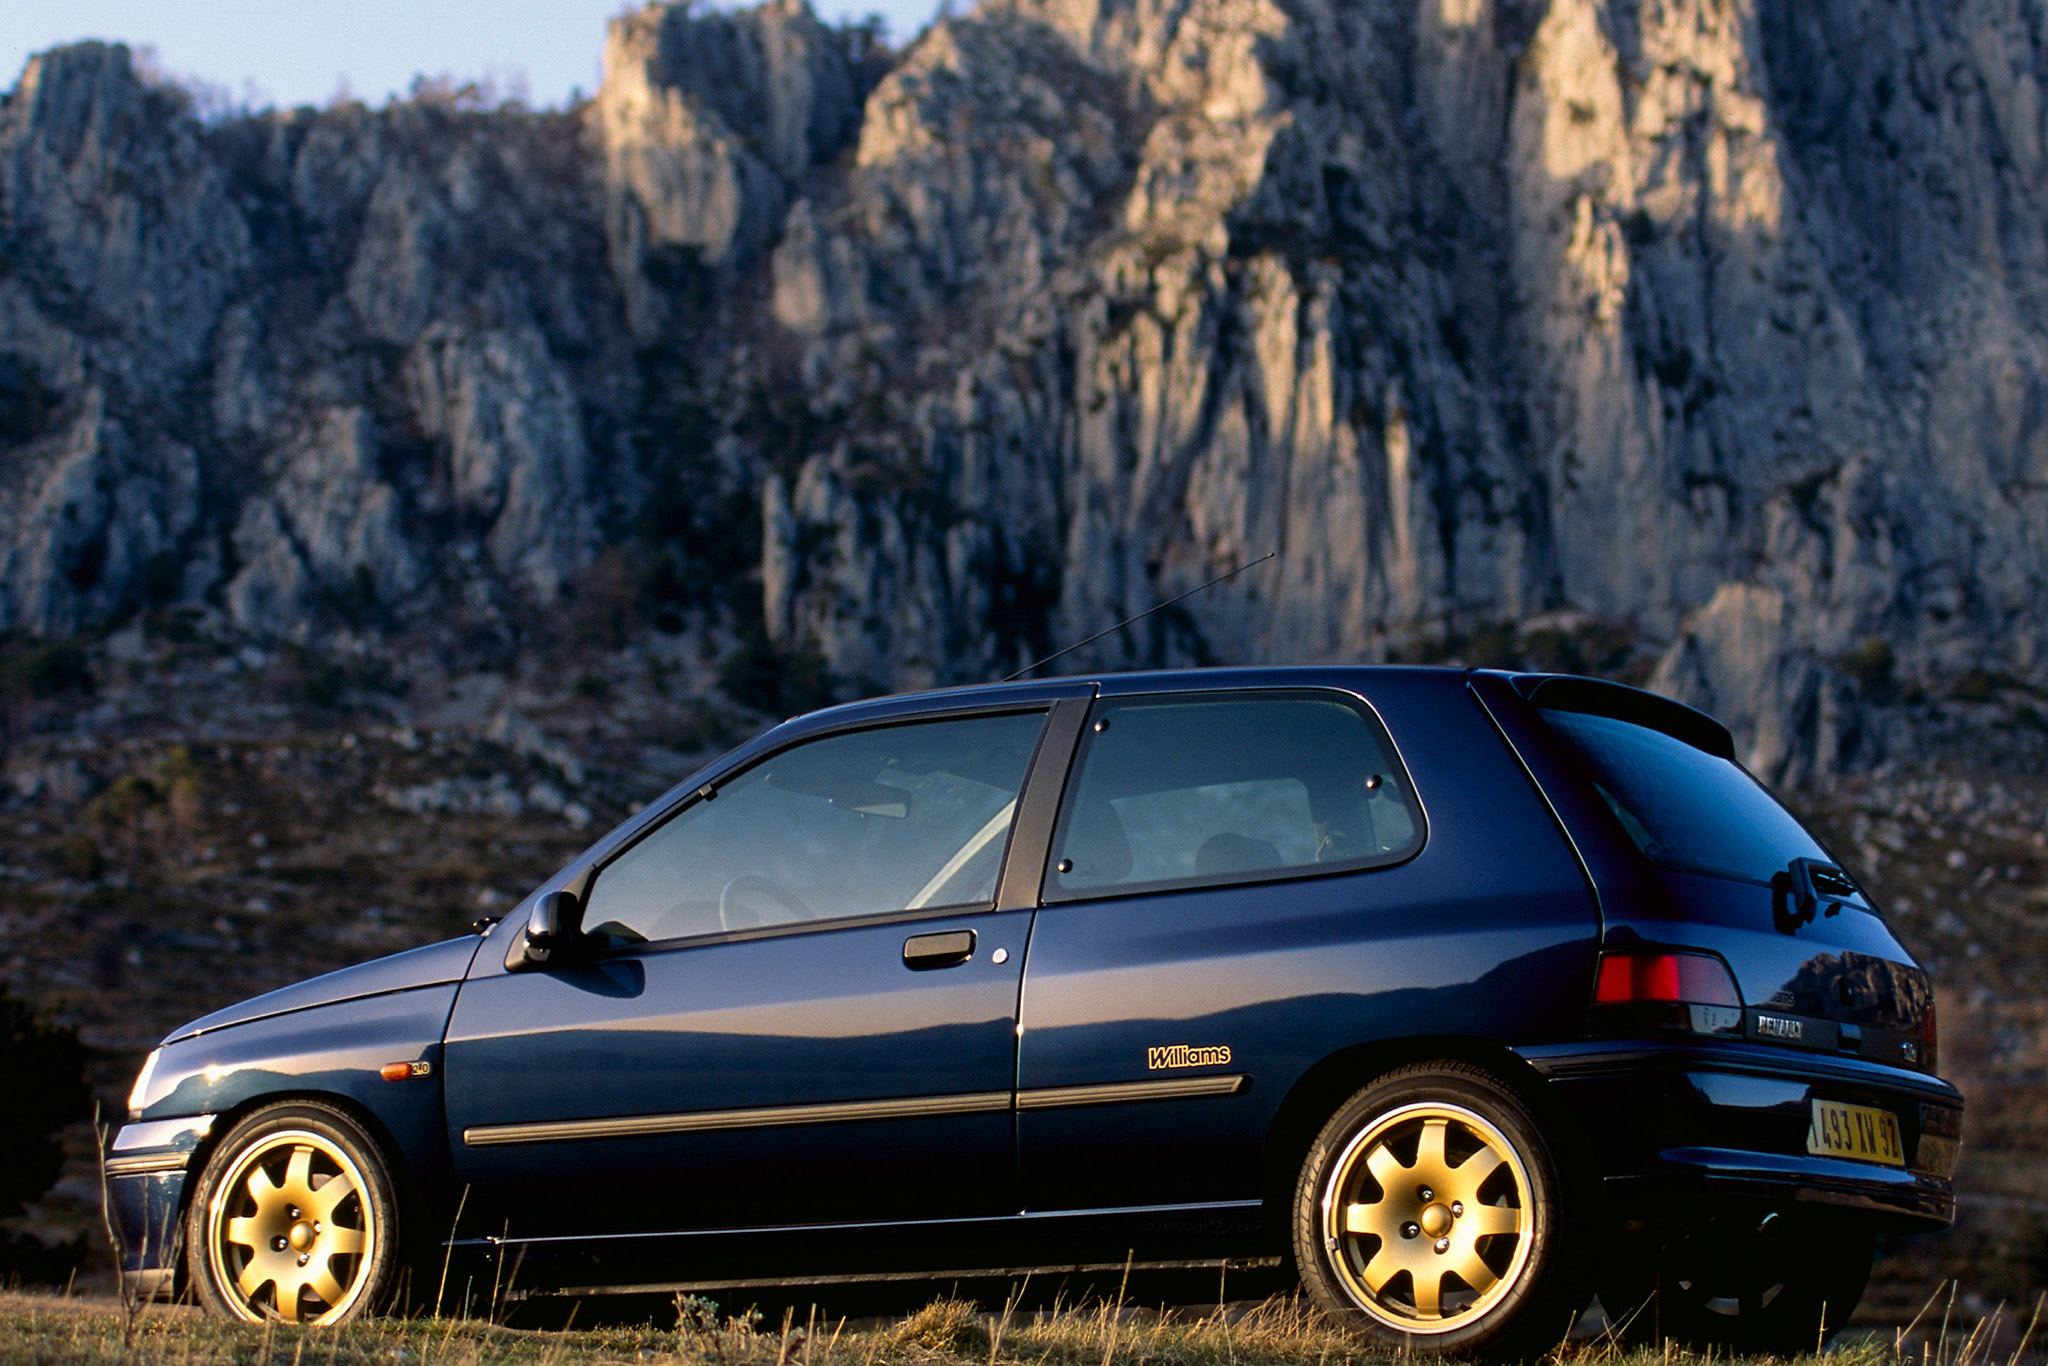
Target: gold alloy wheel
<point>1428,1218</point>
<point>291,1230</point>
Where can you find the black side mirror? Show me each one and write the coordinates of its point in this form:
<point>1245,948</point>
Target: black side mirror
<point>553,928</point>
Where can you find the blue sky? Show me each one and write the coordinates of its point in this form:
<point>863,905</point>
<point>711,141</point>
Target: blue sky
<point>303,51</point>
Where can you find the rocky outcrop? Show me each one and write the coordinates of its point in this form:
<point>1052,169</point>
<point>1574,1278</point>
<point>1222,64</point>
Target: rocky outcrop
<point>289,366</point>
<point>1717,329</point>
<point>707,122</point>
<point>1478,313</point>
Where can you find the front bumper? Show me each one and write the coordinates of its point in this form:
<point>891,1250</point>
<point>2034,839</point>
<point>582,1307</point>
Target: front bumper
<point>146,1169</point>
<point>1696,1125</point>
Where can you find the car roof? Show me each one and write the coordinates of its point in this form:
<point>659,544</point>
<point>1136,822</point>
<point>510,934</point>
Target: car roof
<point>976,695</point>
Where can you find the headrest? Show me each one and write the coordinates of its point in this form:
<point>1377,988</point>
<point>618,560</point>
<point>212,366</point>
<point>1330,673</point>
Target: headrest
<point>1097,844</point>
<point>1229,853</point>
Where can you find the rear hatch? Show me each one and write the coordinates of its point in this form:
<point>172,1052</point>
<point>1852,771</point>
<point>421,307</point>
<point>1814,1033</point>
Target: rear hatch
<point>1723,867</point>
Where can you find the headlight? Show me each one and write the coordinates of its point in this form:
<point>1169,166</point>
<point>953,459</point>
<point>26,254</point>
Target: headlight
<point>139,1095</point>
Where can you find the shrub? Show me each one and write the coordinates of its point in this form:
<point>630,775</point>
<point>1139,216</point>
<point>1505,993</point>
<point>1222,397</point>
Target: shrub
<point>1871,665</point>
<point>308,680</point>
<point>1974,686</point>
<point>82,857</point>
<point>45,671</point>
<point>25,405</point>
<point>763,675</point>
<point>123,804</point>
<point>45,1069</point>
<point>1551,651</point>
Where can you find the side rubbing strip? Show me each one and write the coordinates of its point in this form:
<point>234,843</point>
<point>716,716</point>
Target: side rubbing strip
<point>1119,1092</point>
<point>712,1121</point>
<point>135,1166</point>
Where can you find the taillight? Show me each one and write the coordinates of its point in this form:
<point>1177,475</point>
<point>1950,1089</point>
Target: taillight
<point>1929,1040</point>
<point>1692,993</point>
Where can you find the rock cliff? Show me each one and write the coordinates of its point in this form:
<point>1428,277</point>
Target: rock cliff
<point>1704,340</point>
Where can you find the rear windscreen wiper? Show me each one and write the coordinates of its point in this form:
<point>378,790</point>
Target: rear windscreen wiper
<point>1809,888</point>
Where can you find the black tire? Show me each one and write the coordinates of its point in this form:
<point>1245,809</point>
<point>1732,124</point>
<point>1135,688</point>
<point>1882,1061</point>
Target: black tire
<point>1743,1282</point>
<point>267,1235</point>
<point>1508,1280</point>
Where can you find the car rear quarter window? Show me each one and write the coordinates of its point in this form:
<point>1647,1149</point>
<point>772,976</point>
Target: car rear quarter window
<point>1218,788</point>
<point>1682,806</point>
<point>897,818</point>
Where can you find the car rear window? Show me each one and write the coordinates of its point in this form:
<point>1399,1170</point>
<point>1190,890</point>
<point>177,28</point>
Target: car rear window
<point>1681,805</point>
<point>1216,788</point>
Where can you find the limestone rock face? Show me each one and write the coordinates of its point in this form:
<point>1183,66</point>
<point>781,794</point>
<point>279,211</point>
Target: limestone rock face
<point>1722,326</point>
<point>517,467</point>
<point>288,365</point>
<point>85,514</point>
<point>116,213</point>
<point>1473,311</point>
<point>706,121</point>
<point>332,526</point>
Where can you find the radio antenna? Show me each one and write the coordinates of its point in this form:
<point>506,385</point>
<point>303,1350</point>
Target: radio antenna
<point>1140,617</point>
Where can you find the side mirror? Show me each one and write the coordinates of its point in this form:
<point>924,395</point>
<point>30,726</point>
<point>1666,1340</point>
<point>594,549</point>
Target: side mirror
<point>552,928</point>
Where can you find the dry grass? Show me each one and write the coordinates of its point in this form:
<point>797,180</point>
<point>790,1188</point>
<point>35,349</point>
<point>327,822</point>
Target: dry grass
<point>55,1331</point>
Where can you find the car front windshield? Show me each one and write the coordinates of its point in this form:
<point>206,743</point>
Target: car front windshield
<point>1681,805</point>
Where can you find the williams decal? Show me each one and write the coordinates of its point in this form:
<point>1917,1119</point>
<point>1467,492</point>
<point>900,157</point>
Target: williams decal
<point>1180,1055</point>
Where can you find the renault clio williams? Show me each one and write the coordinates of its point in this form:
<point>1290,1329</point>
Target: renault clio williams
<point>1463,994</point>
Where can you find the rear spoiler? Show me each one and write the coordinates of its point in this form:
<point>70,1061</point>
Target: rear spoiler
<point>1564,692</point>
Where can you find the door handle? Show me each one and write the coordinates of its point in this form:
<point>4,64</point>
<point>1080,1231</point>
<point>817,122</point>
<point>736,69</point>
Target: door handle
<point>942,950</point>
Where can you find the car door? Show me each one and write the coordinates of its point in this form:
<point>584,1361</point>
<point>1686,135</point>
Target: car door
<point>800,1011</point>
<point>1240,886</point>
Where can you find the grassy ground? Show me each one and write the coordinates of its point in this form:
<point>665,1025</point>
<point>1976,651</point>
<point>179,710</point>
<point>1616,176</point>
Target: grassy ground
<point>80,1332</point>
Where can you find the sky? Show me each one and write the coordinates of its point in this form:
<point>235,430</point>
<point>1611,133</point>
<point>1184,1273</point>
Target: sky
<point>288,52</point>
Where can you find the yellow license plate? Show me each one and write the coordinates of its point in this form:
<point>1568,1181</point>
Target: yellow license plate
<point>1857,1132</point>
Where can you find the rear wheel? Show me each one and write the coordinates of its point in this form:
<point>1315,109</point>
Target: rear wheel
<point>1429,1216</point>
<point>1771,1284</point>
<point>294,1220</point>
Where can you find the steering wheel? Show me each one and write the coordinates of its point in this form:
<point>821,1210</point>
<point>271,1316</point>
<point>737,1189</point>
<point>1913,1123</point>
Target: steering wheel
<point>734,916</point>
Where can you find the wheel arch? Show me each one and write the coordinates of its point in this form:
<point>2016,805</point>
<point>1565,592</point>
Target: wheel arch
<point>363,1116</point>
<point>1324,1087</point>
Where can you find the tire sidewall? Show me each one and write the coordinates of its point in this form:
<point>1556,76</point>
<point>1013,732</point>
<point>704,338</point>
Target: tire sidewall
<point>1818,1292</point>
<point>382,1274</point>
<point>1538,1311</point>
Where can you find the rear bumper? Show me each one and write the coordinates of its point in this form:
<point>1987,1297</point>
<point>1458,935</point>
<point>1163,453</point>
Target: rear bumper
<point>1682,1126</point>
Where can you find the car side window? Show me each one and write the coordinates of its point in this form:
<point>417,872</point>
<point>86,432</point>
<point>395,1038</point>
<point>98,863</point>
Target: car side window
<point>1228,787</point>
<point>903,817</point>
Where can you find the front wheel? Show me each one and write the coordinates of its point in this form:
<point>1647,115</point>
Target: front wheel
<point>1430,1216</point>
<point>294,1220</point>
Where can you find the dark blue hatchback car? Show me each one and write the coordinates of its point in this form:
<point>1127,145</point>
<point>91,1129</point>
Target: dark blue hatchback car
<point>1462,994</point>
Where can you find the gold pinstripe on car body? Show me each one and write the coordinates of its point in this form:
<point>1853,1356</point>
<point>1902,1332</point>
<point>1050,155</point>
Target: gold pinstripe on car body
<point>849,1112</point>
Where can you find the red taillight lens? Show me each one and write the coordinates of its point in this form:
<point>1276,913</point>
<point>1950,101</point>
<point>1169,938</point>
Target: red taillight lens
<point>1655,990</point>
<point>1930,1041</point>
<point>1677,978</point>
